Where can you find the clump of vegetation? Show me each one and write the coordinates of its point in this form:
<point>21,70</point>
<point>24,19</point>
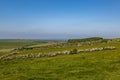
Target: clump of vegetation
<point>74,51</point>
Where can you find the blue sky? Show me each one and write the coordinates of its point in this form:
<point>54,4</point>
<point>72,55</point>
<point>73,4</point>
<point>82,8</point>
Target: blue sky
<point>59,19</point>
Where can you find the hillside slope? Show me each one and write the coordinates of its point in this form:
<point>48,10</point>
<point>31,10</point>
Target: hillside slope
<point>98,65</point>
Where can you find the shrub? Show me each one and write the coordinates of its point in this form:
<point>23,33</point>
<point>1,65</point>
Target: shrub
<point>74,51</point>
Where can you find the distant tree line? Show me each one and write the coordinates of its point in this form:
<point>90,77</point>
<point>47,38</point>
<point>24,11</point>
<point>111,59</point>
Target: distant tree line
<point>85,39</point>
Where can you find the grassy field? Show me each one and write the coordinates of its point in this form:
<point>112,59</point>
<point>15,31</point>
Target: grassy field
<point>98,65</point>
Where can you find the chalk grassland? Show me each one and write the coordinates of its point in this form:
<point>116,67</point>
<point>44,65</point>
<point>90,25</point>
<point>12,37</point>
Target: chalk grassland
<point>98,65</point>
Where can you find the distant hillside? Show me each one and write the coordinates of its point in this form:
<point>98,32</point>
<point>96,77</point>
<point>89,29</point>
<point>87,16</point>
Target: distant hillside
<point>14,43</point>
<point>62,61</point>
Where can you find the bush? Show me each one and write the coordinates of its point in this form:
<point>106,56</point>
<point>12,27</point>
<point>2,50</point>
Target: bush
<point>74,51</point>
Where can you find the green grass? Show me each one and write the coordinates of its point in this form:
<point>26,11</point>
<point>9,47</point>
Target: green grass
<point>5,51</point>
<point>103,65</point>
<point>98,65</point>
